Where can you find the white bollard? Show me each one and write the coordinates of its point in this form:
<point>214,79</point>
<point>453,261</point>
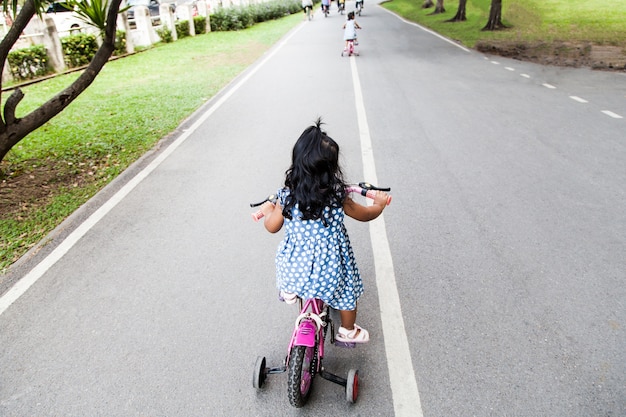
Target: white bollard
<point>143,35</point>
<point>168,19</point>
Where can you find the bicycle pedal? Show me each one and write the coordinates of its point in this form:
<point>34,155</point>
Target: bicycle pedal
<point>349,345</point>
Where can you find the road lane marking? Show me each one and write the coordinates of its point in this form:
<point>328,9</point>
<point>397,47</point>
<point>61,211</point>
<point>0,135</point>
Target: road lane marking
<point>509,69</point>
<point>546,85</point>
<point>611,114</point>
<point>21,286</point>
<point>406,399</point>
<point>578,99</point>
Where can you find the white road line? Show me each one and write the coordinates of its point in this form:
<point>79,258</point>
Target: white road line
<point>406,399</point>
<point>525,75</point>
<point>20,287</point>
<point>578,99</point>
<point>611,114</point>
<point>509,69</point>
<point>548,86</point>
<point>495,62</point>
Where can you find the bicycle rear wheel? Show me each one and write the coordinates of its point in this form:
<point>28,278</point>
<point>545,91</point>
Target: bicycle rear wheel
<point>301,368</point>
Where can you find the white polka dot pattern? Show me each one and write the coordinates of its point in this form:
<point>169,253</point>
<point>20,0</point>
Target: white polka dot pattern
<point>317,261</point>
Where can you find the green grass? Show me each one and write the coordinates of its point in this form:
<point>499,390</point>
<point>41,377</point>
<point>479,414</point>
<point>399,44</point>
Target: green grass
<point>133,103</point>
<point>595,21</point>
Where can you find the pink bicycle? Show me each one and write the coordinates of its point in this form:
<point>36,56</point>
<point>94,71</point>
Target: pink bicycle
<point>350,50</point>
<point>306,347</point>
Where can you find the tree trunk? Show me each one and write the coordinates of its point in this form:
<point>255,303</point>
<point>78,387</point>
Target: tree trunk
<point>460,13</point>
<point>439,8</point>
<point>495,16</point>
<point>12,129</point>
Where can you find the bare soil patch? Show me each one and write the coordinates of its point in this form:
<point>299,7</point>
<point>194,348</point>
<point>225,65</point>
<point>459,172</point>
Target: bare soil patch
<point>564,54</point>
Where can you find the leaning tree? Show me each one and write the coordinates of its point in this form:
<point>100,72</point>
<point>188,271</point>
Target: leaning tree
<point>100,13</point>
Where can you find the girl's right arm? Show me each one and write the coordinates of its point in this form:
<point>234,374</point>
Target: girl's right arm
<point>273,215</point>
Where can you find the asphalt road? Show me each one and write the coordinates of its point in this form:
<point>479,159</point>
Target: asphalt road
<point>507,235</point>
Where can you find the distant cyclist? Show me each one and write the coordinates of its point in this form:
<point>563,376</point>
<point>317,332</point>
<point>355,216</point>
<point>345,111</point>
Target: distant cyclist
<point>325,6</point>
<point>307,8</point>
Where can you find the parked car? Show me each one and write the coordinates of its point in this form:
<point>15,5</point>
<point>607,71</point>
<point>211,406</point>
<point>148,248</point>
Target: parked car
<point>152,5</point>
<point>65,19</point>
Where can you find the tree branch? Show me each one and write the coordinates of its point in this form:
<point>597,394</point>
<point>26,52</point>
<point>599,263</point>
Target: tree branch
<point>56,104</point>
<point>10,106</point>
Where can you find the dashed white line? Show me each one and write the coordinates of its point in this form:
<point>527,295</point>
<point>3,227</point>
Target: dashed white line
<point>509,69</point>
<point>611,114</point>
<point>550,86</point>
<point>525,75</point>
<point>578,99</point>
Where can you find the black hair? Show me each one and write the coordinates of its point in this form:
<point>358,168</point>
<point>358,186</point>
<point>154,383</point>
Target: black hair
<point>315,179</point>
<point>350,15</point>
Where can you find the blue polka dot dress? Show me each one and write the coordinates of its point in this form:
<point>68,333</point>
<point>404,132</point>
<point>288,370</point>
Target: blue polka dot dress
<point>317,261</point>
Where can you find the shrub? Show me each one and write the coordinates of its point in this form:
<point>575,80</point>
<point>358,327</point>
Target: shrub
<point>120,43</point>
<point>236,18</point>
<point>165,34</point>
<point>79,49</point>
<point>29,63</point>
<point>199,23</point>
<point>182,28</point>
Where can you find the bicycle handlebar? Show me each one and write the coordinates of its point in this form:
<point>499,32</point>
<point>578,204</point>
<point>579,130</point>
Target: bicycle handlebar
<point>364,188</point>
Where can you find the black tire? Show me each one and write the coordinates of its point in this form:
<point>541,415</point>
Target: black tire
<point>301,372</point>
<point>260,373</point>
<point>352,386</point>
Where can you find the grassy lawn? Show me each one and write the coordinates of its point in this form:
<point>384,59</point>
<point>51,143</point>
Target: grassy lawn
<point>132,104</point>
<point>596,21</point>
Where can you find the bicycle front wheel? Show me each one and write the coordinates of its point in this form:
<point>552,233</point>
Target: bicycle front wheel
<point>301,368</point>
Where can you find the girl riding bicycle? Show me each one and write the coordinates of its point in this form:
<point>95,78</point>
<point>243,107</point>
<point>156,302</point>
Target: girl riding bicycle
<point>315,259</point>
<point>349,32</point>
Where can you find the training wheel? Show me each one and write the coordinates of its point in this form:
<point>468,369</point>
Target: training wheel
<point>352,386</point>
<point>260,373</point>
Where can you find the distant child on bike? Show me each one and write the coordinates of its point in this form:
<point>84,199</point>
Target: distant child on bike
<point>349,29</point>
<point>315,258</point>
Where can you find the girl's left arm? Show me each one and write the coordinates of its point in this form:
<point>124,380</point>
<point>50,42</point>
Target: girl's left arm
<point>273,215</point>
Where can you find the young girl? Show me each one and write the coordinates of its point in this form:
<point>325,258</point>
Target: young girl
<point>349,29</point>
<point>315,259</point>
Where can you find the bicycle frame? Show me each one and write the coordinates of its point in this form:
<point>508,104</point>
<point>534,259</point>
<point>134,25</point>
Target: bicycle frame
<point>309,328</point>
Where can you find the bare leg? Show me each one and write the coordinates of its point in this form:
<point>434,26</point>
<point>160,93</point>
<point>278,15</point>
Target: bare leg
<point>348,317</point>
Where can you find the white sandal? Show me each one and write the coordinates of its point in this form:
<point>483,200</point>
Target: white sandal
<point>288,297</point>
<point>356,335</point>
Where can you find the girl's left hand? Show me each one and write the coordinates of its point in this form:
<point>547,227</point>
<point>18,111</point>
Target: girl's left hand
<point>267,208</point>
